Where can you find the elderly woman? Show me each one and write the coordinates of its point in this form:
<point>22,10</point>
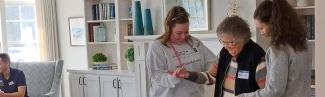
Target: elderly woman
<point>241,63</point>
<point>173,51</point>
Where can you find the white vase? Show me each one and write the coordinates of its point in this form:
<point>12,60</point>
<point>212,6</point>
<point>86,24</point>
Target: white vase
<point>100,34</point>
<point>130,66</point>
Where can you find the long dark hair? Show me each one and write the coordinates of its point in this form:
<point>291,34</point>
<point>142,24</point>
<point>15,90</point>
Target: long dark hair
<point>286,26</point>
<point>176,15</point>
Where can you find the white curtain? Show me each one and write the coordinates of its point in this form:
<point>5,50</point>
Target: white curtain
<point>47,26</point>
<point>48,31</point>
<point>3,37</point>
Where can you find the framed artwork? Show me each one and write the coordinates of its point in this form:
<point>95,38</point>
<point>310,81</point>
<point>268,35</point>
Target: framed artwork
<point>198,10</point>
<point>77,31</point>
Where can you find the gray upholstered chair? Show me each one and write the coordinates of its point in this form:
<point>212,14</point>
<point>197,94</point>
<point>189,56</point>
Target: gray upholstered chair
<point>42,78</point>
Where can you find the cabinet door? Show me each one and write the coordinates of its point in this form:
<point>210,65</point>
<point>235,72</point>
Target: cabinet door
<point>108,86</point>
<point>91,86</point>
<point>127,87</point>
<point>76,87</point>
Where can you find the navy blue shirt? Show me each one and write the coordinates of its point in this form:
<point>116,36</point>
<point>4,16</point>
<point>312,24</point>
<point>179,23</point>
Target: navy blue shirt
<point>16,79</point>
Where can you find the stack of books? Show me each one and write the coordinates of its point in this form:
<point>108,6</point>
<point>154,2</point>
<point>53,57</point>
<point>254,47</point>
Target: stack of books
<point>310,26</point>
<point>101,67</point>
<point>103,11</point>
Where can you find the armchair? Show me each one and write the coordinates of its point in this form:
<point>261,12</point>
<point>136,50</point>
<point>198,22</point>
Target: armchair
<point>42,78</point>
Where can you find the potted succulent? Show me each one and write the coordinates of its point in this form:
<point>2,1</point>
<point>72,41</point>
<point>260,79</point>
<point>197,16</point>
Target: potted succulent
<point>99,59</point>
<point>129,56</point>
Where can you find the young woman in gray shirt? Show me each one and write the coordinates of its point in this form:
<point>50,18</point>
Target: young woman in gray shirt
<point>288,71</point>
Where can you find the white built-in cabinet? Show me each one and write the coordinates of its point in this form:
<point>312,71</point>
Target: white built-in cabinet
<point>108,83</point>
<point>90,83</point>
<point>99,13</point>
<point>310,12</point>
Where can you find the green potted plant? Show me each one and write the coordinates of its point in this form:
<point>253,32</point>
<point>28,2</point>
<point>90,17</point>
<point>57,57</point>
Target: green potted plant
<point>99,58</point>
<point>129,56</point>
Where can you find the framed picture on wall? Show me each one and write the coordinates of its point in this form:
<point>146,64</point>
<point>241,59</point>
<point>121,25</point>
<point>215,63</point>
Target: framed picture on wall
<point>77,31</point>
<point>198,10</point>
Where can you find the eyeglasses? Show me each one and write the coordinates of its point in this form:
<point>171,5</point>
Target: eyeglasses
<point>228,43</point>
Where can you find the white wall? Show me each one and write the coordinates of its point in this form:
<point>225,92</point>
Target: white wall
<point>319,52</point>
<point>74,57</point>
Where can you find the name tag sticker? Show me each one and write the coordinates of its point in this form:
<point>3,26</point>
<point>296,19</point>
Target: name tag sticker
<point>11,83</point>
<point>243,74</point>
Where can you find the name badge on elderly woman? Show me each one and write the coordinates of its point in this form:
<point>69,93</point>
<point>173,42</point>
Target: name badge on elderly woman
<point>243,74</point>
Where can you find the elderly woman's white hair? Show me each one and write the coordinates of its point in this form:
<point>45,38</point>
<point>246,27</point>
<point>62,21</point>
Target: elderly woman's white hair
<point>235,26</point>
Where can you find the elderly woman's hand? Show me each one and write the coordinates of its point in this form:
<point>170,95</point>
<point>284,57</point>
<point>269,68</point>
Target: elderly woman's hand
<point>181,72</point>
<point>213,70</point>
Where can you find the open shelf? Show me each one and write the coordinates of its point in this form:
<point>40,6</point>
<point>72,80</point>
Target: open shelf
<point>311,40</point>
<point>153,37</point>
<point>113,18</point>
<point>305,7</point>
<point>98,21</point>
<point>126,19</point>
<point>127,43</point>
<point>306,10</point>
<point>102,43</point>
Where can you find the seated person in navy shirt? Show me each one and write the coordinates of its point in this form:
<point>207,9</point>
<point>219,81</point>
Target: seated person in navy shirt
<point>12,81</point>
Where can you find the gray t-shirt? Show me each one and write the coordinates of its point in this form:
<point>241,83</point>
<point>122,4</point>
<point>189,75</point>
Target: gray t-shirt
<point>161,59</point>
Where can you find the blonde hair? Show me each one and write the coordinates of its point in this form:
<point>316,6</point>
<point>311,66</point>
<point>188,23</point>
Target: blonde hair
<point>177,15</point>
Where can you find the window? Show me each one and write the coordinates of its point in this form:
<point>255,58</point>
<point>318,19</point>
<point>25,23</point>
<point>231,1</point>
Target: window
<point>20,30</point>
<point>198,10</point>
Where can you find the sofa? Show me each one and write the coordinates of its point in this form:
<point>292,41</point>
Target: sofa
<point>42,78</point>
